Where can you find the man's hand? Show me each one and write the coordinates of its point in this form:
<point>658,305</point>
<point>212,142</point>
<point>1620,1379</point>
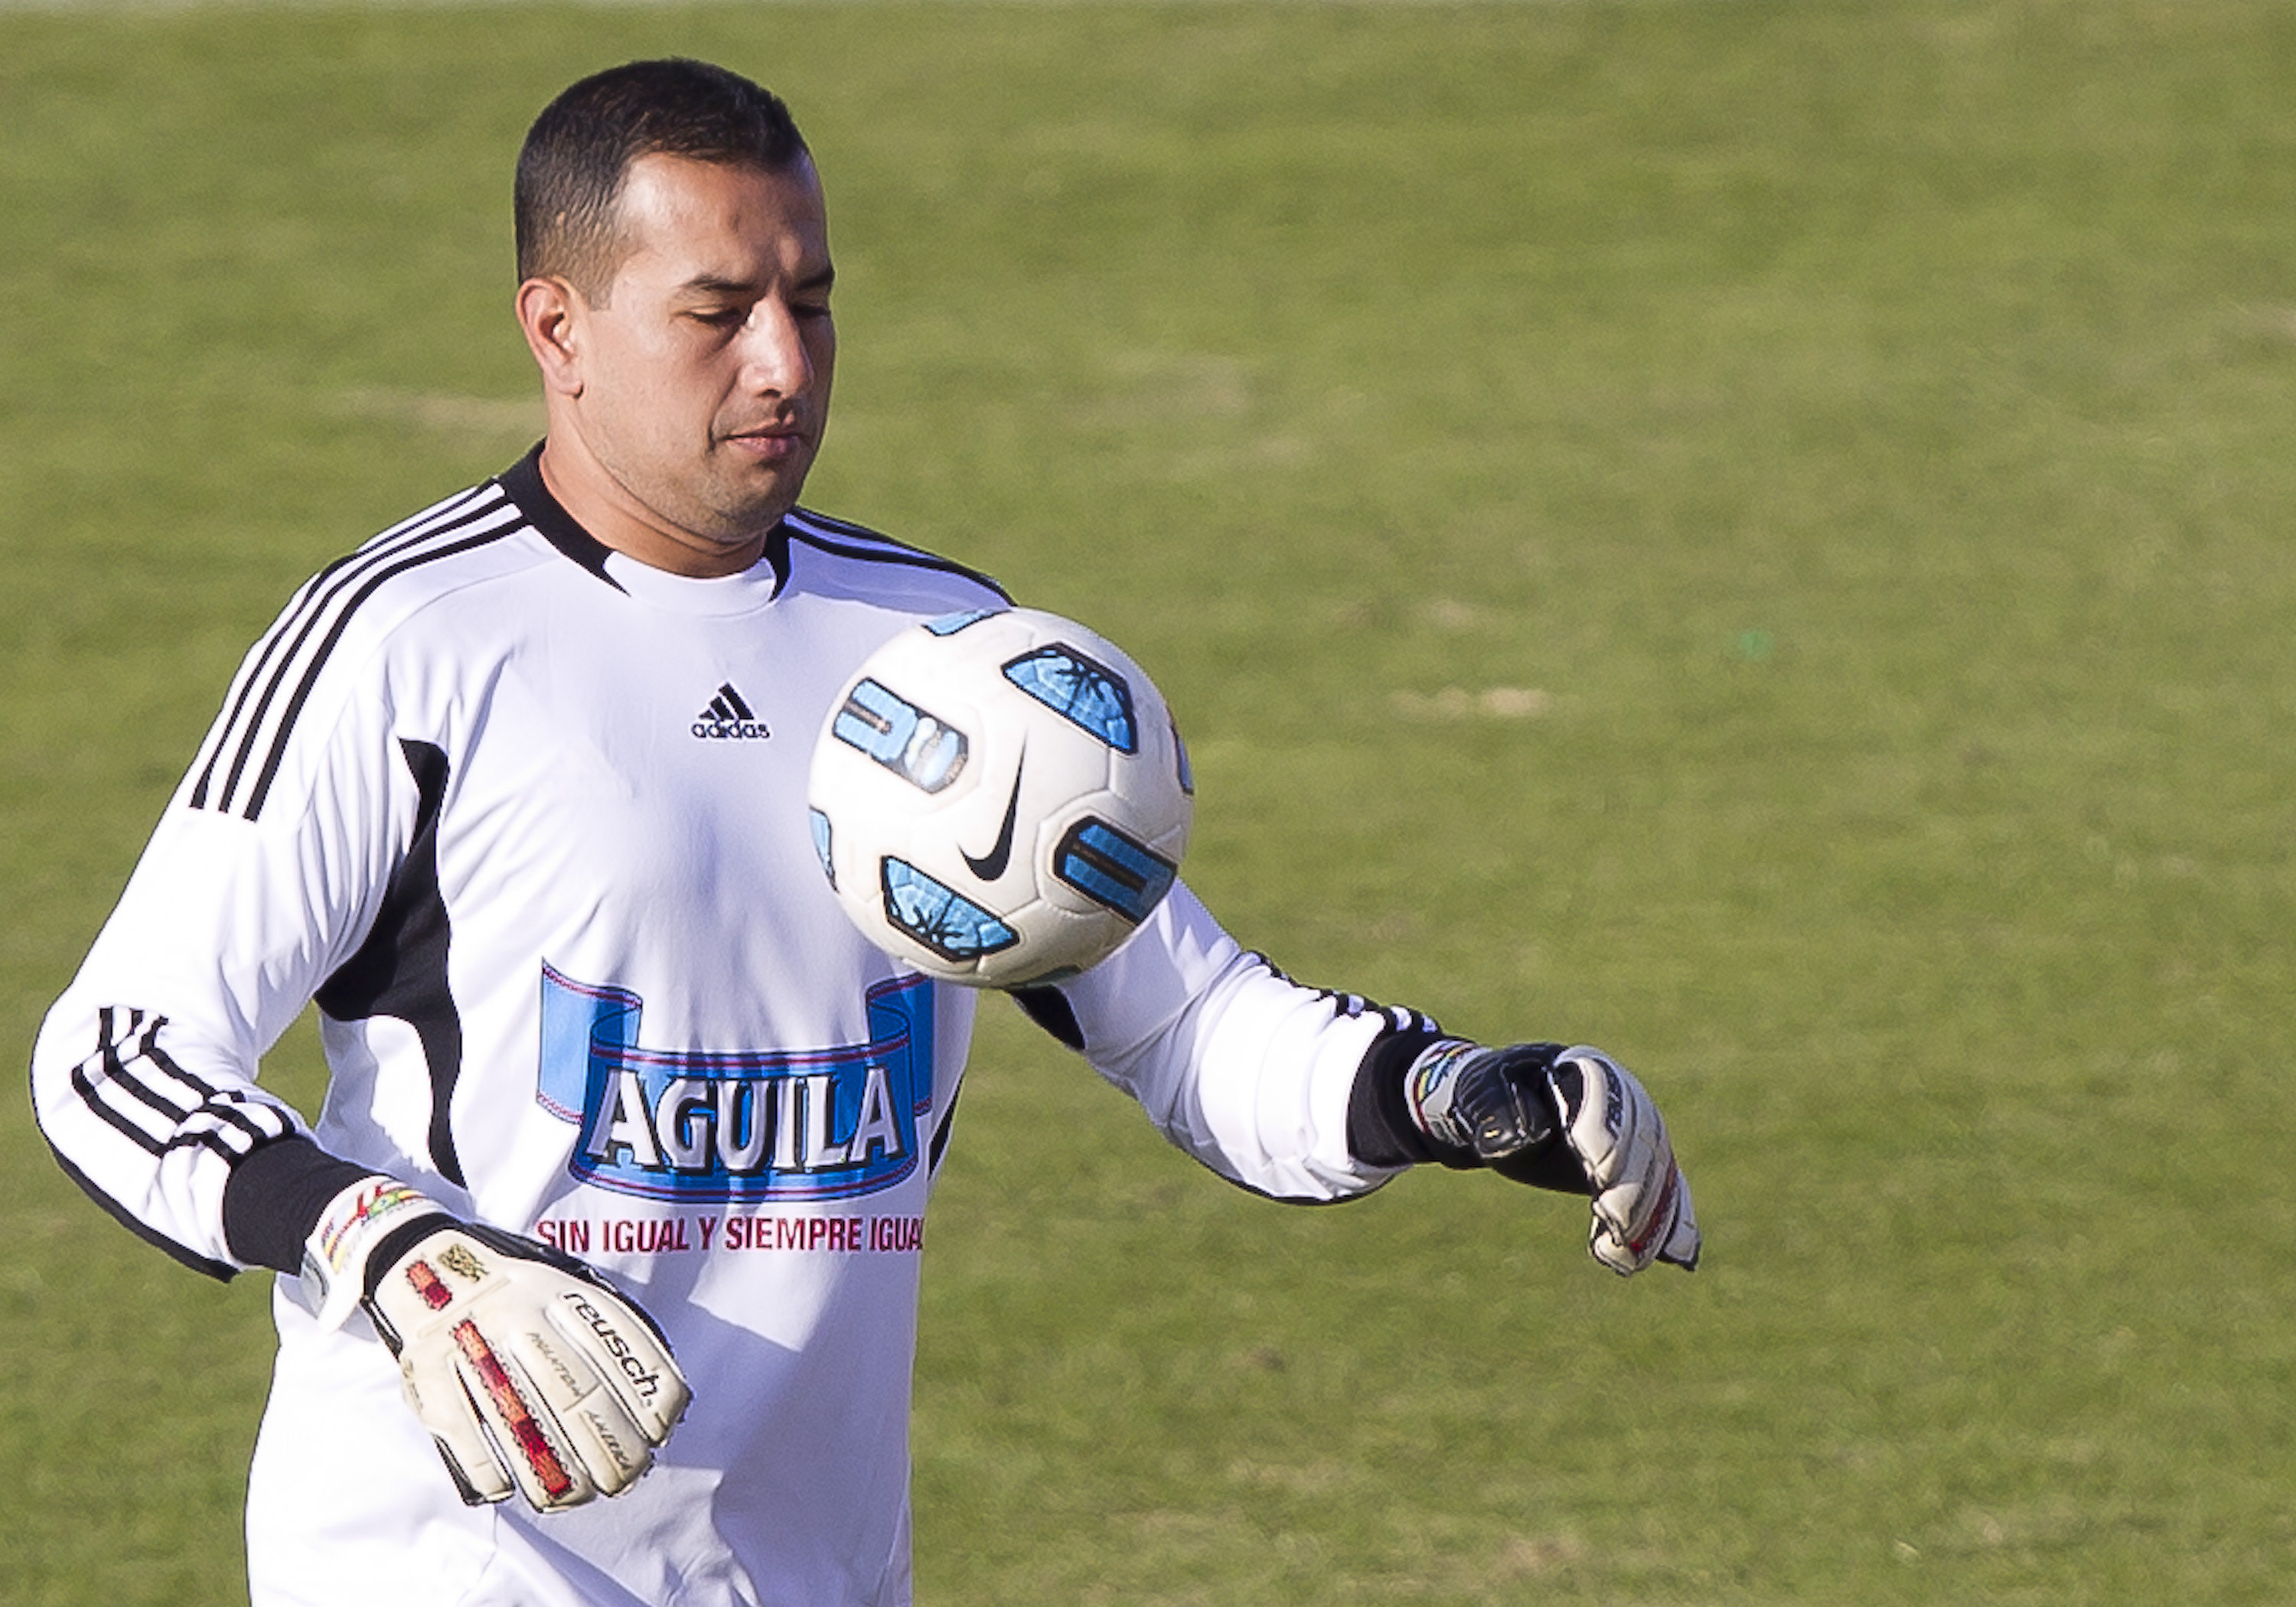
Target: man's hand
<point>1642,1201</point>
<point>1572,1120</point>
<point>529,1369</point>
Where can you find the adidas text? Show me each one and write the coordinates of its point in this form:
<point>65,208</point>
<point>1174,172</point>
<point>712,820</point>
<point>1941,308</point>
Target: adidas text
<point>729,719</point>
<point>715,730</point>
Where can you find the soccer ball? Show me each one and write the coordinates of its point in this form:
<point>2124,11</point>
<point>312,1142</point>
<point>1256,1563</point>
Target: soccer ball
<point>999,798</point>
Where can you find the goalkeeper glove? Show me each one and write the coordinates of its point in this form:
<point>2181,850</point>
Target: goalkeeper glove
<point>529,1369</point>
<point>1573,1120</point>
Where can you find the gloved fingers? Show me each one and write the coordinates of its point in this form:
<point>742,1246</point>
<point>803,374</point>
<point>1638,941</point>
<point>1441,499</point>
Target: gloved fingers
<point>434,1388</point>
<point>1660,1224</point>
<point>1642,1206</point>
<point>623,1349</point>
<point>528,1436</point>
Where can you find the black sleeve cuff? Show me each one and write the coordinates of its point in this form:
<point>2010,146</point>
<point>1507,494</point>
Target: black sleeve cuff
<point>274,1198</point>
<point>1380,1128</point>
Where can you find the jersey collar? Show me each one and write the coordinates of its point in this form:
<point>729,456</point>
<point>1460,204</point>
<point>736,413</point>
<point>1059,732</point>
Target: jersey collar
<point>549,516</point>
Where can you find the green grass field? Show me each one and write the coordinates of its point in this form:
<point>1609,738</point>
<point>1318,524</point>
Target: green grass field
<point>1753,534</point>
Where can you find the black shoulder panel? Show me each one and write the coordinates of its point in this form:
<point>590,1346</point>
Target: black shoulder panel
<point>1050,1009</point>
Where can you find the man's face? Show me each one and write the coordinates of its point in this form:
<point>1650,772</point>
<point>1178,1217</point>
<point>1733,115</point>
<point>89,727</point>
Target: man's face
<point>704,376</point>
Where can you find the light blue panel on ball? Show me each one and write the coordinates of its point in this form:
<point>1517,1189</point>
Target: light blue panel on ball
<point>1073,686</point>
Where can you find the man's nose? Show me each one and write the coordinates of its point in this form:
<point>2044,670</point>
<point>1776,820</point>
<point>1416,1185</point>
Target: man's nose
<point>775,360</point>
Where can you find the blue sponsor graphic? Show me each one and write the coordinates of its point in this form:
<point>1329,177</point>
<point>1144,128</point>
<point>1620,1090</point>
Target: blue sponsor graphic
<point>1105,865</point>
<point>1090,694</point>
<point>708,1128</point>
<point>910,743</point>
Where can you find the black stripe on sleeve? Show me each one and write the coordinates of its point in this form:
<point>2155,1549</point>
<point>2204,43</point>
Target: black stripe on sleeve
<point>231,1110</point>
<point>226,1124</point>
<point>93,1099</point>
<point>338,592</point>
<point>254,676</point>
<point>207,1138</point>
<point>115,1067</point>
<point>302,693</point>
<point>843,540</point>
<point>295,623</point>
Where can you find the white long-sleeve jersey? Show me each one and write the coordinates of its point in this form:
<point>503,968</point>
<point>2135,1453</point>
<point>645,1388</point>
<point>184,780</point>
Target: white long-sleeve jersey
<point>527,819</point>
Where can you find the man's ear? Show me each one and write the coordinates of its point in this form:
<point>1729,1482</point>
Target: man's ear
<point>550,313</point>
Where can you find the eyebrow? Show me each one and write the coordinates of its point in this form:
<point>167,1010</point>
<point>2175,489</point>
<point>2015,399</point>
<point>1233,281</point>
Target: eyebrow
<point>711,284</point>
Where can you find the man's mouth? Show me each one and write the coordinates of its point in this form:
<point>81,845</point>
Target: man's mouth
<point>769,442</point>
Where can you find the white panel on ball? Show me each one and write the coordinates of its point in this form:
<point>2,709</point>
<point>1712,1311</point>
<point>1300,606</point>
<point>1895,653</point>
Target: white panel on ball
<point>1000,798</point>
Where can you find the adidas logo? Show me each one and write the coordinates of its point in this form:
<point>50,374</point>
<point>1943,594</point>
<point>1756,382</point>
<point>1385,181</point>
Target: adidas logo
<point>728,719</point>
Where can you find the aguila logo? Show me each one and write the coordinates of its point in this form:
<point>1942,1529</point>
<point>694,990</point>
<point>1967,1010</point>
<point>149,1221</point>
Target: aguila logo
<point>708,1127</point>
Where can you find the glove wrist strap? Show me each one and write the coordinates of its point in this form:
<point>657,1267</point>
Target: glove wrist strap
<point>354,1223</point>
<point>1429,1086</point>
<point>1382,1131</point>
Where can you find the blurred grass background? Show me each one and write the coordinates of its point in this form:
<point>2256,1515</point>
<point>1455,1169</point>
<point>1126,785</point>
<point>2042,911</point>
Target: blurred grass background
<point>1748,533</point>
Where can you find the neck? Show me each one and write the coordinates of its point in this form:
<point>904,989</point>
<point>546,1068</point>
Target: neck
<point>604,507</point>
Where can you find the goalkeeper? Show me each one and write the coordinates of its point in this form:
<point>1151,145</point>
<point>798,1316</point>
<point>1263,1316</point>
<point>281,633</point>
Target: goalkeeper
<point>619,1185</point>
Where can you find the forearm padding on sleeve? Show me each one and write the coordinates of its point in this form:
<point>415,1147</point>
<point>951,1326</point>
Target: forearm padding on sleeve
<point>274,1198</point>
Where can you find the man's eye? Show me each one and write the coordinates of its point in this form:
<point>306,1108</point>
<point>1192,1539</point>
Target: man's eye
<point>723,317</point>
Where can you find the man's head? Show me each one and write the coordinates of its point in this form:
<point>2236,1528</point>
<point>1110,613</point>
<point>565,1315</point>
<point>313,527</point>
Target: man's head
<point>577,156</point>
<point>674,255</point>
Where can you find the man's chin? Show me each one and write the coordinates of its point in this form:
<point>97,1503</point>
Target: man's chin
<point>744,527</point>
<point>756,503</point>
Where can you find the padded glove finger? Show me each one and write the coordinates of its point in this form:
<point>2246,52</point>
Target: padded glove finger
<point>1642,1208</point>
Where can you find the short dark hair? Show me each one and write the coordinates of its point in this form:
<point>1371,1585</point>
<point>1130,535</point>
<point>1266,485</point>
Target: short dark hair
<point>577,156</point>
